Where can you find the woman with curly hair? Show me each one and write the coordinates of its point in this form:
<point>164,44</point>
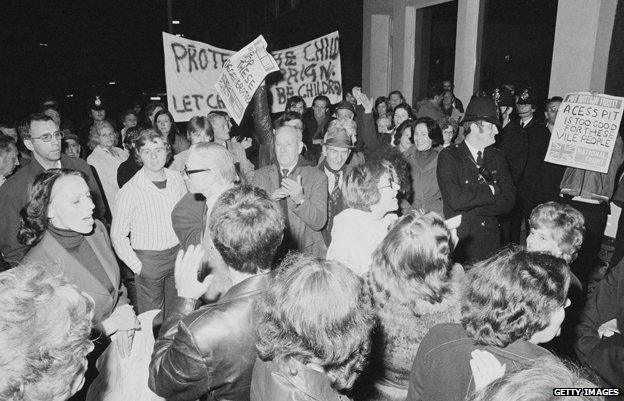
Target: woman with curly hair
<point>58,224</point>
<point>370,192</point>
<point>422,157</point>
<point>45,324</point>
<point>313,333</point>
<point>412,289</point>
<point>450,130</point>
<point>514,301</point>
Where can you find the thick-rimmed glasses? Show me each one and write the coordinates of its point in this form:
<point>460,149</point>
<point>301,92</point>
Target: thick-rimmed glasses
<point>48,137</point>
<point>188,172</point>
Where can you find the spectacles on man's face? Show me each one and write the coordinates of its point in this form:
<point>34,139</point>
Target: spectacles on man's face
<point>188,172</point>
<point>48,137</point>
<point>553,109</point>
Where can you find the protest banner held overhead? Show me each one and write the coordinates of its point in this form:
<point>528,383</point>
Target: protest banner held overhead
<point>192,69</point>
<point>191,72</point>
<point>585,131</point>
<point>309,70</point>
<point>242,74</point>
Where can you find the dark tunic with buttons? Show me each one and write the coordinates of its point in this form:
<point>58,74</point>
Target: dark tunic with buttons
<point>463,193</point>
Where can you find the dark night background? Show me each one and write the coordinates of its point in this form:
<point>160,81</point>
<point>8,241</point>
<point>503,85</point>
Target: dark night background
<point>78,47</point>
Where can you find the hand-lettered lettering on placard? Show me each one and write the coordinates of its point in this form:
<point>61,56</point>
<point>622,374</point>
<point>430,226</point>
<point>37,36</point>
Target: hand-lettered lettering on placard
<point>585,131</point>
<point>192,69</point>
<point>242,74</point>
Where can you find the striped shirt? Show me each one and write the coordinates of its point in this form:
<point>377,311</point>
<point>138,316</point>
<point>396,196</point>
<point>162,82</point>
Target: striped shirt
<point>142,216</point>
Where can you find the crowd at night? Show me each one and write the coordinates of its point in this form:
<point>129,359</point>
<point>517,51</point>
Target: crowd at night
<point>313,241</point>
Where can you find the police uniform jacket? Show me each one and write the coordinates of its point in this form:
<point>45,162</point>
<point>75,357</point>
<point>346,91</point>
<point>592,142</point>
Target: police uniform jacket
<point>464,193</point>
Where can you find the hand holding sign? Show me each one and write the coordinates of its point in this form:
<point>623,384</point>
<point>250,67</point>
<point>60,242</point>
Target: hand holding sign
<point>585,131</point>
<point>242,74</point>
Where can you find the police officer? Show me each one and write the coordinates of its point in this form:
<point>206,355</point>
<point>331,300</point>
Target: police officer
<point>540,182</point>
<point>475,182</point>
<point>512,142</point>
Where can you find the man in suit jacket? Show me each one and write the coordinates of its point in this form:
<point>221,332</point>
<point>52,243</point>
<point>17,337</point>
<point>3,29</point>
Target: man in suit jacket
<point>475,182</point>
<point>337,147</point>
<point>301,191</point>
<point>315,126</point>
<point>42,137</point>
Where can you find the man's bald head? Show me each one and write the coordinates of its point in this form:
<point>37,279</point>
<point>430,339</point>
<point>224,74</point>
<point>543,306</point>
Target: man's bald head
<point>217,158</point>
<point>288,146</point>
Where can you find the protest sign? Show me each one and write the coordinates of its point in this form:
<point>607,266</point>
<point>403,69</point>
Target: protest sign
<point>309,70</point>
<point>242,74</point>
<point>192,69</point>
<point>585,131</point>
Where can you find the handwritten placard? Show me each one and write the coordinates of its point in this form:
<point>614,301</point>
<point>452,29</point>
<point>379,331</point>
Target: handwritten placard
<point>309,70</point>
<point>242,74</point>
<point>192,69</point>
<point>585,131</point>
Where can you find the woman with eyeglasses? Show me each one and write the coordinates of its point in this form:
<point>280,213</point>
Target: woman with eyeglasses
<point>370,192</point>
<point>106,158</point>
<point>141,232</point>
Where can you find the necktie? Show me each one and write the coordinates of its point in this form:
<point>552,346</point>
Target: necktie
<point>284,173</point>
<point>480,158</point>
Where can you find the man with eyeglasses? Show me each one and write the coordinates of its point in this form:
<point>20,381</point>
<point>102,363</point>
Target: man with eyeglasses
<point>42,137</point>
<point>209,172</point>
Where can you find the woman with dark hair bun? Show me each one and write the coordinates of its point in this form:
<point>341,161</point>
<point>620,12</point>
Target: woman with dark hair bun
<point>423,161</point>
<point>412,289</point>
<point>58,223</point>
<point>313,334</point>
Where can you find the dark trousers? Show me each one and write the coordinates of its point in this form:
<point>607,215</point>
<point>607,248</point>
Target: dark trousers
<point>511,225</point>
<point>155,286</point>
<point>618,252</point>
<point>587,262</point>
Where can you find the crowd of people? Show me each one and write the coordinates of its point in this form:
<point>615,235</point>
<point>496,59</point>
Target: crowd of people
<point>365,250</point>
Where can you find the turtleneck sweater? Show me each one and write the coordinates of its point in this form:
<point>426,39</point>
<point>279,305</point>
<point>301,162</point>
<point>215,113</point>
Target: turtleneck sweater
<point>75,244</point>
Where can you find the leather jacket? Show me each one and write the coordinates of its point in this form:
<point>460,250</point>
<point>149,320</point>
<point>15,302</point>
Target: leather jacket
<point>263,127</point>
<point>270,383</point>
<point>209,352</point>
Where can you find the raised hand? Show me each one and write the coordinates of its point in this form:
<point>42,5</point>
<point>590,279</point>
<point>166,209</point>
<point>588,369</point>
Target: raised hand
<point>187,265</point>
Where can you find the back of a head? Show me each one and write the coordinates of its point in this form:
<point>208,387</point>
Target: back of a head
<point>565,223</point>
<point>536,383</point>
<point>200,124</point>
<point>512,295</point>
<point>45,324</point>
<point>246,228</point>
<point>316,311</point>
<point>411,263</point>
